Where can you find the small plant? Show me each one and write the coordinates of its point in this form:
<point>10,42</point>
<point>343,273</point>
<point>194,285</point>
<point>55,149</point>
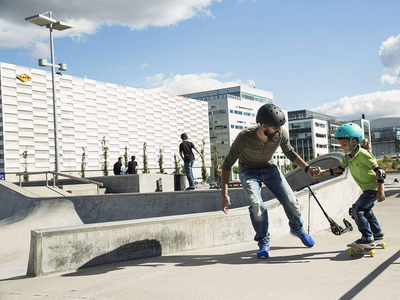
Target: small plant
<point>161,161</point>
<point>145,168</point>
<point>215,163</point>
<point>105,156</point>
<point>235,169</point>
<point>204,173</point>
<point>83,163</point>
<point>25,164</point>
<point>177,166</point>
<point>126,157</point>
<point>183,169</point>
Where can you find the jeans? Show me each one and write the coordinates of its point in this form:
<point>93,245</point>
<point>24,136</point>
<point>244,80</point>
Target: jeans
<point>366,221</point>
<point>275,181</point>
<point>189,172</point>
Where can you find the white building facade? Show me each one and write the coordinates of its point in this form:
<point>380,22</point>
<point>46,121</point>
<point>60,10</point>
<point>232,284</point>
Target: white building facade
<point>89,110</point>
<point>230,111</point>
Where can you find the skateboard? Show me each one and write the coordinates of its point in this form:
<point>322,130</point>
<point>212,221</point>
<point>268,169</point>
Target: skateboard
<point>366,248</point>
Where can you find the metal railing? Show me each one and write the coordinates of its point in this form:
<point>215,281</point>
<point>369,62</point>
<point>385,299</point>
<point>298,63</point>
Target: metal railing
<point>99,184</point>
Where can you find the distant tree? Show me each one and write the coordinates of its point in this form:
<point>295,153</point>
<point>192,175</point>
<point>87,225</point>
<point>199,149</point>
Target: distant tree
<point>176,164</point>
<point>83,163</point>
<point>161,160</point>
<point>215,163</point>
<point>145,167</point>
<point>235,169</point>
<point>105,156</point>
<point>204,173</point>
<point>25,164</point>
<point>126,157</point>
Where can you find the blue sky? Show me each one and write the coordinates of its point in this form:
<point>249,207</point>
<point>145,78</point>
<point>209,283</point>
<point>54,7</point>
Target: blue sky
<point>336,57</point>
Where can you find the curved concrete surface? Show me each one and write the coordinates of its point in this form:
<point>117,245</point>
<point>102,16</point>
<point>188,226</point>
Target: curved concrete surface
<point>24,212</point>
<point>18,203</point>
<point>75,247</point>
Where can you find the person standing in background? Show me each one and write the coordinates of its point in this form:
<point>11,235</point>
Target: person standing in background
<point>186,153</point>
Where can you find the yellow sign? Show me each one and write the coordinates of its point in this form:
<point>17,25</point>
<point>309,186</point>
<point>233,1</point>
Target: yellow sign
<point>24,77</point>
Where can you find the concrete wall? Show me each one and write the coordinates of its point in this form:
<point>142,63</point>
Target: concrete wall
<point>135,183</point>
<point>75,247</point>
<point>129,206</point>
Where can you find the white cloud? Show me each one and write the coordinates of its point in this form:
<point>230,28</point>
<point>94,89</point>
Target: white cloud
<point>88,16</point>
<point>389,79</point>
<point>40,50</point>
<point>373,105</point>
<point>151,81</point>
<point>145,65</point>
<point>188,83</point>
<point>389,53</point>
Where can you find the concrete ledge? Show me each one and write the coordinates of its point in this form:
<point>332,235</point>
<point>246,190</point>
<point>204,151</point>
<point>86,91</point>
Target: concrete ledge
<point>75,247</point>
<point>129,206</point>
<point>132,183</point>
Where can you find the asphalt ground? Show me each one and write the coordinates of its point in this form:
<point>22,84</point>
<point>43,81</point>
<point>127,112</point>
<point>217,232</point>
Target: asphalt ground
<point>325,271</point>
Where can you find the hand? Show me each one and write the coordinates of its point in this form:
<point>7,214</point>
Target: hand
<point>380,196</point>
<point>314,172</point>
<point>317,172</point>
<point>225,200</point>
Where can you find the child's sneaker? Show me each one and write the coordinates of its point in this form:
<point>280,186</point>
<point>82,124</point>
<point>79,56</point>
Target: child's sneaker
<point>379,236</point>
<point>264,251</point>
<point>305,238</point>
<point>364,241</point>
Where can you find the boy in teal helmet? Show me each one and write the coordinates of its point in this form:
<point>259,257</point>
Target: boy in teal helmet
<point>367,174</point>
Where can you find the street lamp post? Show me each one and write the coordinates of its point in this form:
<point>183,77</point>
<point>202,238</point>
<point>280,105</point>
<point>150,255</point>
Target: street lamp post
<point>51,22</point>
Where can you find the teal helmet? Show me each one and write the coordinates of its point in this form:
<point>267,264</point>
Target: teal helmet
<point>351,131</point>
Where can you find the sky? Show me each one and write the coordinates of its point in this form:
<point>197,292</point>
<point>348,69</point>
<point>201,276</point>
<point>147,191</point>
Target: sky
<point>335,57</point>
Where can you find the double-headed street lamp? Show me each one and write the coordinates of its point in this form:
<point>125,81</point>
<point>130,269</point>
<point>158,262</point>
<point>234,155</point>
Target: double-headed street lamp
<point>51,22</point>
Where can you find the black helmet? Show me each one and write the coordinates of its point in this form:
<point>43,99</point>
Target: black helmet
<point>270,115</point>
<point>184,136</point>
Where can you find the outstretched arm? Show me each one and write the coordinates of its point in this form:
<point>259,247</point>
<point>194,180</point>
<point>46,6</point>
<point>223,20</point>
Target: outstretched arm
<point>312,171</point>
<point>338,170</point>
<point>201,155</point>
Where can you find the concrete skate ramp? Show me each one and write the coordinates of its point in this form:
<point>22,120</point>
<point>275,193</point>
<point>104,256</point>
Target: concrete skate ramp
<point>74,247</point>
<point>22,211</point>
<point>18,203</point>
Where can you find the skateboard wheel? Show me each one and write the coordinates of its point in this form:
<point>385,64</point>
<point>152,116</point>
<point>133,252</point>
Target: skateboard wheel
<point>383,245</point>
<point>352,252</point>
<point>372,253</point>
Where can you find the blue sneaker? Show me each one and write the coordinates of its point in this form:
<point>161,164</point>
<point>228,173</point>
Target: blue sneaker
<point>305,238</point>
<point>264,251</point>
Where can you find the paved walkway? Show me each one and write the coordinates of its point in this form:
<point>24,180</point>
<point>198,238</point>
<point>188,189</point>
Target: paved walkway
<point>325,271</point>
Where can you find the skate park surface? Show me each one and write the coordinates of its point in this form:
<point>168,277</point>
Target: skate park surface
<point>325,271</point>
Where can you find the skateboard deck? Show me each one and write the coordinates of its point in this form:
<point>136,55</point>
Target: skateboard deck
<point>366,248</point>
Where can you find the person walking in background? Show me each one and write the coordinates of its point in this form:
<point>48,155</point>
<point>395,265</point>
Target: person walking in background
<point>132,166</point>
<point>366,145</point>
<point>186,153</point>
<point>118,166</point>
